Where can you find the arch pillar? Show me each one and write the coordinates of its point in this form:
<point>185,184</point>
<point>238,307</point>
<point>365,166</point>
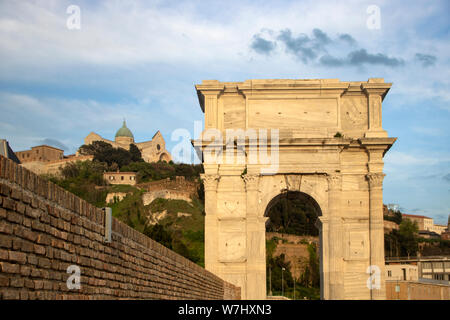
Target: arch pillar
<point>210,182</point>
<point>376,234</point>
<point>322,224</point>
<point>256,241</point>
<point>335,239</point>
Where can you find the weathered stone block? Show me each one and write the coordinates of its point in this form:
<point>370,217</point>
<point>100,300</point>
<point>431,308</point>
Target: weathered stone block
<point>5,241</point>
<point>16,256</point>
<point>7,267</point>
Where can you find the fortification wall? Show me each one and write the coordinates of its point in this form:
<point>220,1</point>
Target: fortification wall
<point>53,167</point>
<point>179,184</point>
<point>45,229</point>
<point>148,197</point>
<point>291,238</point>
<point>295,250</point>
<point>177,189</point>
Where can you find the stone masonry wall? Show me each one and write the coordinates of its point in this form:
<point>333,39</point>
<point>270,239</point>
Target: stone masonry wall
<point>178,184</point>
<point>45,229</point>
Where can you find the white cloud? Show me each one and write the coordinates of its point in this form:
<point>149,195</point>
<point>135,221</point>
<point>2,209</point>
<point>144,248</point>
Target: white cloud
<point>141,59</point>
<point>30,120</point>
<point>432,132</point>
<point>402,159</point>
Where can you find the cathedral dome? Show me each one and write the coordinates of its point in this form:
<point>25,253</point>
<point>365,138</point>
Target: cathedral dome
<point>124,132</point>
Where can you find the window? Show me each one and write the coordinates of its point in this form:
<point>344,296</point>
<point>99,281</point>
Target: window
<point>426,265</point>
<point>438,277</point>
<point>158,147</point>
<point>389,273</point>
<point>121,178</point>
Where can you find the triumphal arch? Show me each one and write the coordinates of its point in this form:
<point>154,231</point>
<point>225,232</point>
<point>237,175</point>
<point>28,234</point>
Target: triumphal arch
<point>322,139</point>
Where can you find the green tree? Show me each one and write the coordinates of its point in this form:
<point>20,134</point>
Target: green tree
<point>95,148</point>
<point>81,178</point>
<point>311,276</point>
<point>278,275</point>
<point>105,152</point>
<point>159,234</point>
<point>292,216</point>
<point>136,155</point>
<point>408,236</point>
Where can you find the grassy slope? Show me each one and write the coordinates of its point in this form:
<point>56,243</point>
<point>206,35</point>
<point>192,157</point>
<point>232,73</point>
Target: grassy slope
<point>190,230</point>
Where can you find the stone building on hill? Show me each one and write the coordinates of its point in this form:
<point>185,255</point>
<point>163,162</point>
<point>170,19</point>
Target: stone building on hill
<point>446,234</point>
<point>152,151</point>
<point>426,223</point>
<point>128,178</point>
<point>46,159</point>
<point>42,153</point>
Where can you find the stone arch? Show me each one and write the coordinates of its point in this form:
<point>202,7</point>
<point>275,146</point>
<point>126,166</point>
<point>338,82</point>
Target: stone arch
<point>318,211</point>
<point>319,149</point>
<point>315,186</point>
<point>294,195</point>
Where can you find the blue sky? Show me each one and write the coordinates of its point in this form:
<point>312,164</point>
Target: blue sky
<point>141,59</point>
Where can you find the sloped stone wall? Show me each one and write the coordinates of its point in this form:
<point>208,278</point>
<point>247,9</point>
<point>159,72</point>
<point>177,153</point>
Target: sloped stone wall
<point>44,230</point>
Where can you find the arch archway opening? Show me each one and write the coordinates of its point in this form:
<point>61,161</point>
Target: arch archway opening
<point>292,246</point>
<point>164,157</point>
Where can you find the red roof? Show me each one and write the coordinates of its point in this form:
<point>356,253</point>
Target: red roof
<point>415,216</point>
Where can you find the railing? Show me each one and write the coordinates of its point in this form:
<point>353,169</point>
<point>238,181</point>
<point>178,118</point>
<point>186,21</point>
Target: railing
<point>415,258</point>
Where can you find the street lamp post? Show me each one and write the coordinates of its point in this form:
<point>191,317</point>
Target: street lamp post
<point>294,288</point>
<point>270,281</point>
<point>282,282</point>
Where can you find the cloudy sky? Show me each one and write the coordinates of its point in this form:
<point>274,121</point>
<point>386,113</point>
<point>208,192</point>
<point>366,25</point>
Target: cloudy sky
<point>141,59</point>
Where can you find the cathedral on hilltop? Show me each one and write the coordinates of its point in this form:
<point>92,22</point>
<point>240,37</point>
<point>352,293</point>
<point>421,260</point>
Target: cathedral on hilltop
<point>152,151</point>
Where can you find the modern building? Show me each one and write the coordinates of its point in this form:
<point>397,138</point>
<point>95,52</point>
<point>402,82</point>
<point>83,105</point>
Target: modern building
<point>433,268</point>
<point>152,151</point>
<point>407,272</point>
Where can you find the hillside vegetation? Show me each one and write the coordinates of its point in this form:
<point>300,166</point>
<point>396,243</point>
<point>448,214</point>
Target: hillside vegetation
<point>406,241</point>
<point>181,229</point>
